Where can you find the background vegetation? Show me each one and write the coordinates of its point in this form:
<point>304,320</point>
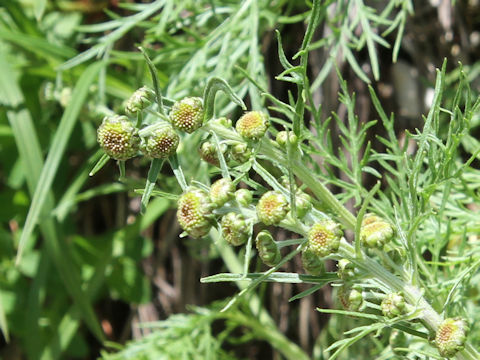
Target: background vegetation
<point>82,272</point>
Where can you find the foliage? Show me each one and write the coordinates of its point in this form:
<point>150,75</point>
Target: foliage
<point>66,255</point>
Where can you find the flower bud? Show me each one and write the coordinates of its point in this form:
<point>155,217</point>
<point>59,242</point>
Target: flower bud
<point>283,137</point>
<point>324,237</point>
<point>272,208</point>
<point>451,336</point>
<point>393,305</point>
<point>118,137</point>
<point>161,143</point>
<point>312,263</point>
<point>187,114</point>
<point>194,213</point>
<point>345,269</point>
<point>252,125</point>
<point>140,99</point>
<point>240,153</point>
<point>375,232</point>
<point>222,121</point>
<point>208,152</point>
<point>221,191</point>
<point>351,299</point>
<point>234,229</point>
<point>268,250</point>
<point>303,204</point>
<point>243,197</point>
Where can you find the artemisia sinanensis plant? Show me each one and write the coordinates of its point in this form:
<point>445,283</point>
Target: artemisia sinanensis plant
<point>414,209</point>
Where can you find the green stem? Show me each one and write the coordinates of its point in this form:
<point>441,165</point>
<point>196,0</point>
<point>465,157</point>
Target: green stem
<point>413,294</point>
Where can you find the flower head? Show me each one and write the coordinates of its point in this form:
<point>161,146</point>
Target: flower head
<point>393,305</point>
<point>194,213</point>
<point>222,191</point>
<point>234,229</point>
<point>311,262</point>
<point>375,232</point>
<point>284,137</point>
<point>324,237</point>
<point>161,143</point>
<point>187,114</point>
<point>272,208</point>
<point>140,99</point>
<point>244,197</point>
<point>267,249</point>
<point>451,336</point>
<point>118,137</point>
<point>351,298</point>
<point>252,125</point>
<point>208,153</point>
<point>303,203</point>
<point>240,152</point>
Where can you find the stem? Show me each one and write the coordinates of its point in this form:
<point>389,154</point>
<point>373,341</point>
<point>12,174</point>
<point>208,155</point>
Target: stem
<point>413,294</point>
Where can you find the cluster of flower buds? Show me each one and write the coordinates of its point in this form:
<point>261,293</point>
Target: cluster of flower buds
<point>121,140</point>
<point>252,126</point>
<point>375,231</point>
<point>393,305</point>
<point>451,336</point>
<point>286,137</point>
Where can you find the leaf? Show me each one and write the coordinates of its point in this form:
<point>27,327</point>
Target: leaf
<point>155,168</point>
<point>281,277</point>
<point>30,153</point>
<point>57,148</point>
<point>39,8</point>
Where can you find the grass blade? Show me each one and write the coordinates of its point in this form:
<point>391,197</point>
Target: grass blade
<point>57,149</point>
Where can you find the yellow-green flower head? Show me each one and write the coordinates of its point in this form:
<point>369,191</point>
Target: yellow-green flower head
<point>161,143</point>
<point>234,229</point>
<point>451,336</point>
<point>187,114</point>
<point>252,125</point>
<point>351,299</point>
<point>272,208</point>
<point>375,231</point>
<point>140,99</point>
<point>118,137</point>
<point>311,262</point>
<point>222,191</point>
<point>208,153</point>
<point>393,305</point>
<point>267,248</point>
<point>194,213</point>
<point>286,136</point>
<point>324,237</point>
<point>244,197</point>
